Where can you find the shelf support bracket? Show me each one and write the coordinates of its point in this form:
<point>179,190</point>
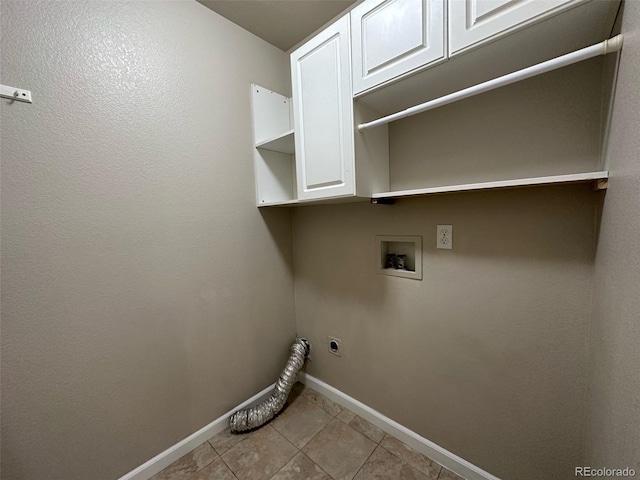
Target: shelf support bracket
<point>383,201</point>
<point>601,184</point>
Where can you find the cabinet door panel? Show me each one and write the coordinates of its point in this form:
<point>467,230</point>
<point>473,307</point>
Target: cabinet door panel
<point>392,37</point>
<point>473,22</point>
<point>323,114</point>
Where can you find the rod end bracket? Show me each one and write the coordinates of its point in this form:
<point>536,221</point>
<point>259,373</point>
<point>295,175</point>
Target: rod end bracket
<point>613,44</point>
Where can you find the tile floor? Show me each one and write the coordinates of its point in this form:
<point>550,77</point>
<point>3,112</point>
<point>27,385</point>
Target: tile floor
<point>313,438</point>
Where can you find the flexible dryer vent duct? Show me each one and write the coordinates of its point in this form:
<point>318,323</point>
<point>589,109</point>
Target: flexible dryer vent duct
<point>254,417</point>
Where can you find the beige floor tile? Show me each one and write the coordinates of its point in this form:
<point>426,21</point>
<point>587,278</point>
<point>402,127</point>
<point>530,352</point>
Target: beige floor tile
<point>359,424</point>
<point>216,470</point>
<point>339,450</point>
<point>224,440</point>
<point>342,448</point>
<point>329,406</point>
<point>383,465</point>
<point>301,421</point>
<point>260,456</point>
<point>412,457</point>
<point>301,467</point>
<point>448,475</point>
<point>187,465</point>
<point>346,416</point>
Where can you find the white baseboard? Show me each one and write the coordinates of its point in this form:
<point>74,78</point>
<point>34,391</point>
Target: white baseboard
<point>173,453</point>
<point>444,457</point>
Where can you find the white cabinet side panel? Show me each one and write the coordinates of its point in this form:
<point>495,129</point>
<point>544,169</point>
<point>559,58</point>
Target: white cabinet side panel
<point>274,177</point>
<point>270,114</point>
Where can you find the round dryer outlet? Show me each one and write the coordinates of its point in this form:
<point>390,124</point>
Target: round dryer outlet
<point>334,345</point>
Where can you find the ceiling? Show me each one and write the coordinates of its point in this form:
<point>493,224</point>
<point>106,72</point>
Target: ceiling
<point>283,23</point>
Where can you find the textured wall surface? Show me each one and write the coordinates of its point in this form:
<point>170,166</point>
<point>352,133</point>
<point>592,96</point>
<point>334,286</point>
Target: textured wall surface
<point>485,356</point>
<point>143,294</point>
<point>613,420</point>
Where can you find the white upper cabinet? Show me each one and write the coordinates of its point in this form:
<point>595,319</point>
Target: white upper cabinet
<point>393,37</point>
<point>323,114</point>
<point>383,50</point>
<point>472,22</point>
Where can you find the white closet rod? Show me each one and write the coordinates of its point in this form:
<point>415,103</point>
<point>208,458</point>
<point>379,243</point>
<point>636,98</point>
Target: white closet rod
<point>607,46</point>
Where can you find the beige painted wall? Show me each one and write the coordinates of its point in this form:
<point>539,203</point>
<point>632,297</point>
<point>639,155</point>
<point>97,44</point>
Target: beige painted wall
<point>546,125</point>
<point>134,260</point>
<point>613,420</point>
<point>487,355</point>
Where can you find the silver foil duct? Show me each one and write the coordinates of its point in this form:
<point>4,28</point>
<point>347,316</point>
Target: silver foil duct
<point>255,417</point>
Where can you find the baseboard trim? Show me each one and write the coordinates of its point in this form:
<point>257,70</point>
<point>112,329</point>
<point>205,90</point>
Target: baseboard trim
<point>444,457</point>
<point>173,453</point>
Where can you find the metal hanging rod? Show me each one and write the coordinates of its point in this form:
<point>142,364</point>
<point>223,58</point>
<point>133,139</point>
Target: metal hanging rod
<point>607,46</point>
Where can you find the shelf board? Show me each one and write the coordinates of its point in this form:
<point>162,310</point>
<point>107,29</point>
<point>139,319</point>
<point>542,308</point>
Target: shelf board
<point>518,182</point>
<point>283,143</point>
<point>283,203</point>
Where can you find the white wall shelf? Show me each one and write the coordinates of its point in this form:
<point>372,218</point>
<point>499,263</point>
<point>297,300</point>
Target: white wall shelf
<point>274,148</point>
<point>283,143</point>
<point>284,203</point>
<point>518,182</point>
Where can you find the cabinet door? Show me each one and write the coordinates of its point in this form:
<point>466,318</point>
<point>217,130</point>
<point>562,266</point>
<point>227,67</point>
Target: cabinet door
<point>392,37</point>
<point>475,21</point>
<point>323,114</point>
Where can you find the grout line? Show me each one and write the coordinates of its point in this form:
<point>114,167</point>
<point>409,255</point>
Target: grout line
<point>220,454</point>
<point>280,469</point>
<point>409,463</point>
<point>365,462</point>
<point>333,415</point>
<point>204,466</point>
<point>224,461</point>
<point>405,461</point>
<point>290,443</point>
<point>311,439</point>
<point>228,466</point>
<point>323,470</point>
<point>361,433</point>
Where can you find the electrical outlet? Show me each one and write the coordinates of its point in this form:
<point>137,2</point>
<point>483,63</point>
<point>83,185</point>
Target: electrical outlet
<point>334,345</point>
<point>445,237</point>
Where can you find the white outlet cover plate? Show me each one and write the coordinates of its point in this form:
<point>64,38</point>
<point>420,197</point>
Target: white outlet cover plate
<point>444,237</point>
